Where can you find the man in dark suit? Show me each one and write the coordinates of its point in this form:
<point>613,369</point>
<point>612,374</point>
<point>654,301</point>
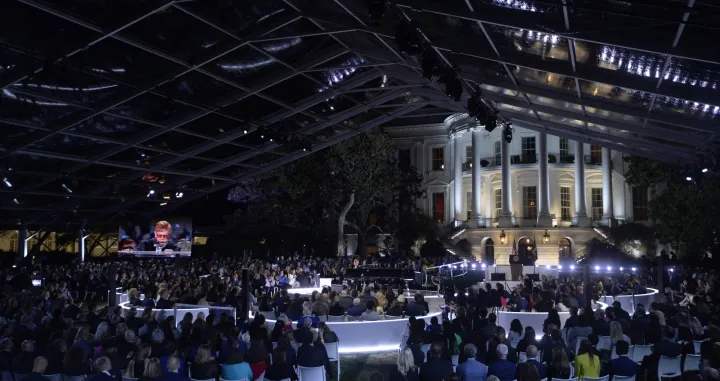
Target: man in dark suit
<point>665,347</point>
<point>502,368</point>
<point>102,367</point>
<point>601,326</point>
<point>532,353</point>
<point>623,365</point>
<point>173,374</point>
<point>312,355</point>
<point>38,370</point>
<point>163,302</point>
<point>24,361</point>
<point>416,308</point>
<point>304,332</point>
<point>619,312</point>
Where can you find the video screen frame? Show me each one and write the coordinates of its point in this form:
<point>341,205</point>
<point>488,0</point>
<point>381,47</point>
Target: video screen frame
<point>160,237</point>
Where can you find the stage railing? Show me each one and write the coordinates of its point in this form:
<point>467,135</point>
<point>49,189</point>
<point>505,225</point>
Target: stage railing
<point>455,270</point>
<point>185,307</point>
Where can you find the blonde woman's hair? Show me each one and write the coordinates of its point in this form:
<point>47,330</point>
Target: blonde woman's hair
<point>152,368</point>
<point>405,361</point>
<point>616,333</point>
<point>133,293</point>
<point>203,355</point>
<point>661,317</point>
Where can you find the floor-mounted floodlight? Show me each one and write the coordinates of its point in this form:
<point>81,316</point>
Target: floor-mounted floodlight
<point>25,244</point>
<point>82,237</point>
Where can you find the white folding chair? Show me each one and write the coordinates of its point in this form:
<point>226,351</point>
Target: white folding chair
<point>274,344</point>
<point>455,360</point>
<point>333,352</point>
<point>669,367</point>
<point>604,342</point>
<point>604,378</point>
<point>53,377</point>
<point>565,379</point>
<point>640,351</point>
<point>311,374</point>
<point>692,362</point>
<point>425,348</point>
<point>696,344</point>
<point>578,341</point>
<point>623,378</point>
<point>514,343</point>
<point>82,378</point>
<point>522,357</point>
<point>336,318</point>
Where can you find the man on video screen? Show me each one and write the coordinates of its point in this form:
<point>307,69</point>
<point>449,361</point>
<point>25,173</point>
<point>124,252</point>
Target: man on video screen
<point>162,241</point>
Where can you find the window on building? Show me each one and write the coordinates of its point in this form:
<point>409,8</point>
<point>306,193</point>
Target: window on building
<point>530,202</point>
<point>596,200</point>
<point>438,159</point>
<point>439,207</point>
<point>595,154</point>
<point>564,148</point>
<point>468,153</point>
<point>404,159</point>
<point>528,149</point>
<point>498,153</point>
<point>565,203</point>
<point>498,203</point>
<point>468,203</point>
<point>640,203</point>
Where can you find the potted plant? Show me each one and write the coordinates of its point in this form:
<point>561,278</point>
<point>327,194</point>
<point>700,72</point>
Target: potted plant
<point>484,163</point>
<point>552,159</point>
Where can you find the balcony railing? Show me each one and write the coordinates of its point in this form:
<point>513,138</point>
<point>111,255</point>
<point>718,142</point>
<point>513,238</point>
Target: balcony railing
<point>524,159</point>
<point>554,157</point>
<point>484,163</point>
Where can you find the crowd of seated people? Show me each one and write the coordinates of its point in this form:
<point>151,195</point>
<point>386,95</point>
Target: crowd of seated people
<point>592,343</point>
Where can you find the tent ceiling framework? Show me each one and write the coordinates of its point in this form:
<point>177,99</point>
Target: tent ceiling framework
<point>120,108</point>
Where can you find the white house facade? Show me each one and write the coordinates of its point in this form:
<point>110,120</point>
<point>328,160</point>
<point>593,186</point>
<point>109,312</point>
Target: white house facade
<point>493,188</point>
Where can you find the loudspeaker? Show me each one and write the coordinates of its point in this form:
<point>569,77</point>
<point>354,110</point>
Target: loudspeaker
<point>497,276</point>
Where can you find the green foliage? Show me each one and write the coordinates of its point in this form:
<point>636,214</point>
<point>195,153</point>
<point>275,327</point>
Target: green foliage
<point>632,238</point>
<point>643,172</point>
<point>308,195</point>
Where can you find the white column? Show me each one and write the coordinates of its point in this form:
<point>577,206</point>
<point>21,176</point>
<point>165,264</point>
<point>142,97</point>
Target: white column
<point>476,179</point>
<point>419,166</point>
<point>505,220</point>
<point>457,179</point>
<point>581,217</point>
<point>544,219</point>
<point>608,212</point>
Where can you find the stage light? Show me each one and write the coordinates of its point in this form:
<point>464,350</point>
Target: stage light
<point>245,131</point>
<point>597,268</point>
<point>270,139</point>
<point>572,267</point>
<point>179,194</point>
<point>704,170</point>
<point>633,269</point>
<point>559,267</point>
<point>609,268</point>
<point>66,188</point>
<point>622,269</point>
<point>548,267</point>
<point>474,266</point>
<point>7,182</point>
<point>262,136</point>
<point>507,133</point>
<point>376,10</point>
<point>163,203</point>
<point>671,269</point>
<point>16,201</point>
<point>494,265</point>
<point>483,265</point>
<point>453,86</point>
<point>166,196</point>
<point>304,150</point>
<point>150,193</point>
<point>688,178</point>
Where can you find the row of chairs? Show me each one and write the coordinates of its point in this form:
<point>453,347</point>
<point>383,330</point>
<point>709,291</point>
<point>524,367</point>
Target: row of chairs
<point>10,376</point>
<point>272,315</point>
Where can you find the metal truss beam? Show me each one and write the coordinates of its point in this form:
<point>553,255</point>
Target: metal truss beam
<point>116,101</point>
<point>278,163</point>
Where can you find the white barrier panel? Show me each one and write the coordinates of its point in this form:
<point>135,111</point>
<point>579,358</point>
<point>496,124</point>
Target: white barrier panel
<point>168,312</point>
<point>325,282</point>
<point>506,269</point>
<point>628,302</point>
<point>305,291</point>
<point>532,319</point>
<point>370,336</point>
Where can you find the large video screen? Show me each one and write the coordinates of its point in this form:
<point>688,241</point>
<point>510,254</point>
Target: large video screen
<point>162,238</point>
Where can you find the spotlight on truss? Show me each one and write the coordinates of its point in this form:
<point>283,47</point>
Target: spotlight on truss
<point>376,10</point>
<point>453,86</point>
<point>408,38</point>
<point>429,63</point>
<point>507,133</point>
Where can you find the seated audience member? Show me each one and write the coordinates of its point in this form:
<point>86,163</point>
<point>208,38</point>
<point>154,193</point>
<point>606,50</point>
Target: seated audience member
<point>436,368</point>
<point>415,343</point>
<point>416,308</point>
<point>304,331</point>
<point>336,309</point>
<point>528,339</point>
<point>370,314</point>
<point>326,334</point>
<point>153,370</point>
<point>623,365</point>
<point>665,347</point>
<point>280,369</point>
<point>471,369</point>
<point>236,368</point>
<point>500,339</point>
<point>102,366</point>
<point>25,360</point>
<point>204,366</point>
<point>434,326</point>
<point>396,309</point>
<point>559,367</point>
<point>601,327</point>
<point>312,354</point>
<point>587,363</point>
<point>405,369</point>
<point>527,372</point>
<point>532,353</point>
<point>75,362</point>
<point>55,355</point>
<point>556,342</point>
<point>502,368</point>
<point>38,370</point>
<point>355,310</point>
